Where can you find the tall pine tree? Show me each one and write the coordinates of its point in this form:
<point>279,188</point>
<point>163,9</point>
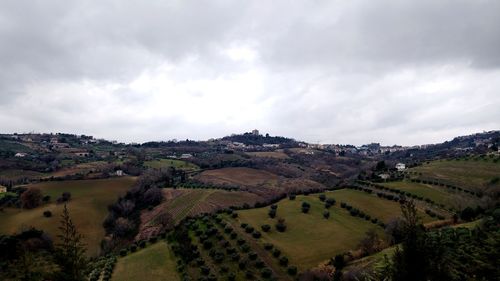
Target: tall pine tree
<point>70,251</point>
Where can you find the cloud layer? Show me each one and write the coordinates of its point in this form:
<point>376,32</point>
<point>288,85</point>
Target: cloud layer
<point>406,72</point>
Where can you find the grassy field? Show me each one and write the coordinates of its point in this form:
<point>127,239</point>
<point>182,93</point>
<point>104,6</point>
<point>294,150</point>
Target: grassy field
<point>309,238</point>
<point>238,176</point>
<point>438,194</point>
<point>464,173</point>
<point>166,163</point>
<point>154,263</point>
<point>376,207</point>
<point>88,208</point>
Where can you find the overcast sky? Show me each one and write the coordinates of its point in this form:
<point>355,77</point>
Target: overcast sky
<point>395,72</point>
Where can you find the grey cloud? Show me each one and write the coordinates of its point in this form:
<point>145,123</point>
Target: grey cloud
<point>330,68</point>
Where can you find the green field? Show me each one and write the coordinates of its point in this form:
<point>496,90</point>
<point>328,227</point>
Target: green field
<point>166,163</point>
<point>156,262</point>
<point>369,203</point>
<point>309,238</point>
<point>88,208</point>
<point>463,173</point>
<point>438,194</point>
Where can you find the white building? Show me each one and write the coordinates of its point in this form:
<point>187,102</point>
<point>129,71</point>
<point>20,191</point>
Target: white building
<point>400,166</point>
<point>119,173</point>
<point>3,189</point>
<point>20,154</point>
<point>186,156</point>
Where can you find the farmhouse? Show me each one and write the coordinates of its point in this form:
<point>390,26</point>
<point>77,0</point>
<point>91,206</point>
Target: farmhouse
<point>384,176</point>
<point>20,154</point>
<point>3,189</point>
<point>400,166</point>
<point>186,156</point>
<point>81,153</point>
<point>270,145</point>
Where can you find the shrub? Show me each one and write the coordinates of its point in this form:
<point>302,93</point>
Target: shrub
<point>283,261</point>
<point>235,257</point>
<point>274,207</point>
<point>133,248</point>
<point>343,205</point>
<point>207,244</point>
<point>276,253</point>
<point>248,275</point>
<point>142,244</point>
<point>266,273</point>
<point>265,227</point>
<point>272,213</point>
<point>233,235</point>
<point>205,270</point>
<point>249,229</point>
<point>326,214</point>
<point>292,270</point>
<point>256,234</point>
<point>123,252</point>
<point>234,215</point>
<point>47,214</point>
<point>241,241</point>
<point>268,246</point>
<point>259,264</point>
<point>31,198</point>
<point>252,256</point>
<point>242,264</point>
<point>280,225</point>
<point>322,197</point>
<point>153,239</point>
<point>245,248</point>
<point>244,225</point>
<point>231,277</point>
<point>292,196</point>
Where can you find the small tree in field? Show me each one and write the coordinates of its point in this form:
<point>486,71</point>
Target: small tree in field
<point>31,198</point>
<point>70,251</point>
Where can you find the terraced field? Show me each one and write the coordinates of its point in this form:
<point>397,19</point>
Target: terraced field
<point>154,263</point>
<point>372,205</point>
<point>309,238</point>
<point>88,208</point>
<point>464,173</point>
<point>438,194</point>
<point>184,202</point>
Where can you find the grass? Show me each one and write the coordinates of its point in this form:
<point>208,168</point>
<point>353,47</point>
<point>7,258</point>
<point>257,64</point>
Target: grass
<point>309,239</point>
<point>4,194</point>
<point>369,203</point>
<point>88,208</point>
<point>464,173</point>
<point>153,263</point>
<point>166,163</point>
<point>436,193</point>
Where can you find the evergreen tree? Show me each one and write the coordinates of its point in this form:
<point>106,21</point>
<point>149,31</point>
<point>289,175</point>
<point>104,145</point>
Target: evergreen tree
<point>70,251</point>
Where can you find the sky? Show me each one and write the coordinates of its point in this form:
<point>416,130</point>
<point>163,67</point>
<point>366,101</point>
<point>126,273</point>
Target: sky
<point>348,72</point>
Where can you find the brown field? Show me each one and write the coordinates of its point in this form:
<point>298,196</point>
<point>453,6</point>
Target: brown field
<point>269,154</point>
<point>238,176</point>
